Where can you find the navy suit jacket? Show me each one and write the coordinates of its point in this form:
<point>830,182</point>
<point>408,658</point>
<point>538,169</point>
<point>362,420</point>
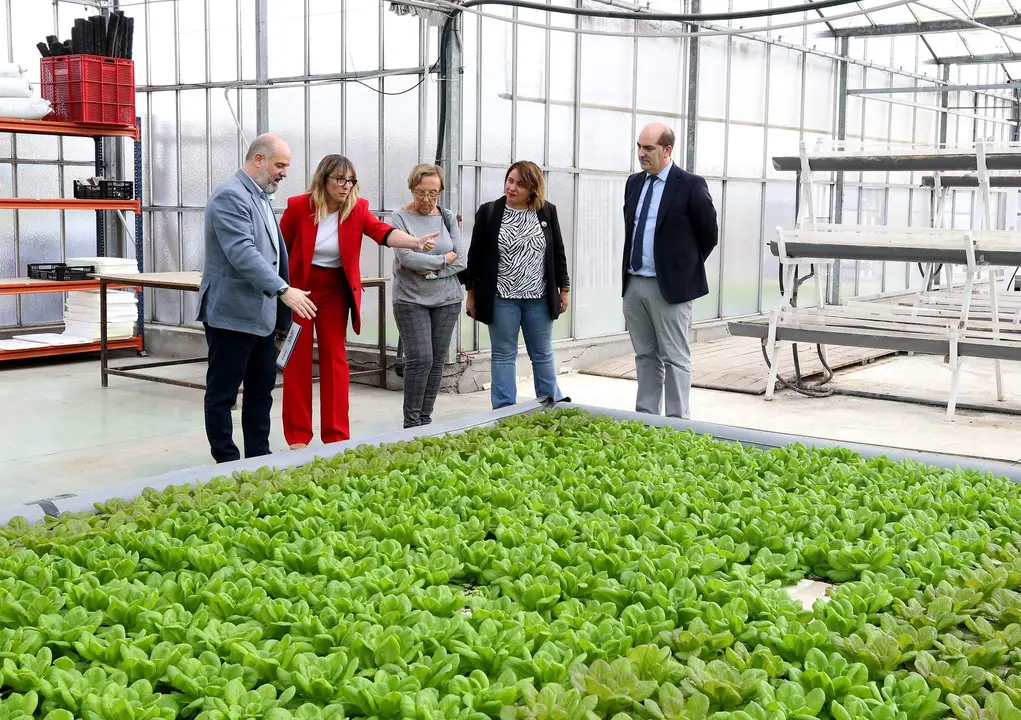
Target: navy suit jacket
<point>686,233</point>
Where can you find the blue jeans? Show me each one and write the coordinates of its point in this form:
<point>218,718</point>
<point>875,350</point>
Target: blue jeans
<point>532,317</point>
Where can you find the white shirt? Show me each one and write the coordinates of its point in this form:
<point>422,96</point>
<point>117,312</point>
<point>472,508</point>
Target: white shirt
<point>327,252</point>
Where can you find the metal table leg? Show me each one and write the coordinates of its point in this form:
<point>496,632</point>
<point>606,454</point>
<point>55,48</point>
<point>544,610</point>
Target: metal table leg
<point>382,335</point>
<point>104,359</point>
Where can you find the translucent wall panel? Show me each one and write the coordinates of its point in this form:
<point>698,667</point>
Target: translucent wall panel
<point>401,49</point>
<point>191,35</point>
<point>605,139</point>
<point>166,258</point>
<point>599,253</point>
<point>8,267</point>
<point>560,192</point>
<point>745,151</point>
<point>747,81</point>
<point>710,148</point>
<point>661,72</point>
<point>778,212</point>
<point>469,90</point>
<point>820,86</point>
<point>193,149</point>
<point>607,66</point>
<point>287,118</point>
<point>362,138</point>
<point>712,76</point>
<point>708,307</point>
<point>784,87</point>
<point>741,248</point>
<point>162,148</point>
<point>223,54</point>
<point>192,258</point>
<point>161,27</point>
<point>495,94</point>
<point>400,138</point>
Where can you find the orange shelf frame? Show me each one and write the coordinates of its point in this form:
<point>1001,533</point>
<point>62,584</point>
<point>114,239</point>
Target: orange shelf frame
<point>68,129</point>
<point>68,204</point>
<point>134,343</point>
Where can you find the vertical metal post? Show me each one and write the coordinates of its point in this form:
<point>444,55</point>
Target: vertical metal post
<point>450,156</point>
<point>100,215</point>
<point>838,189</point>
<point>692,111</point>
<point>261,66</point>
<point>140,232</point>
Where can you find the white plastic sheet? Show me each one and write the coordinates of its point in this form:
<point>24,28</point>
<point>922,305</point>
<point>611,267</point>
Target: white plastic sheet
<point>24,108</point>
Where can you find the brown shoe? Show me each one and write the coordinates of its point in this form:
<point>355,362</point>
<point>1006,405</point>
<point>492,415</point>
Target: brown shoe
<point>298,446</point>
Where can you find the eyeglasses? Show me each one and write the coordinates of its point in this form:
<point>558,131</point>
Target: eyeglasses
<point>431,194</point>
<point>343,181</point>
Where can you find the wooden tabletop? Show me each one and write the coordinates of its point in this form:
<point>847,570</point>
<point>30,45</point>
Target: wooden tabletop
<point>162,280</point>
<point>182,280</point>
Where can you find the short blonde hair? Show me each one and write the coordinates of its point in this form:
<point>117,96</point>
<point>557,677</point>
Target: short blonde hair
<point>533,179</point>
<point>328,166</point>
<point>423,171</point>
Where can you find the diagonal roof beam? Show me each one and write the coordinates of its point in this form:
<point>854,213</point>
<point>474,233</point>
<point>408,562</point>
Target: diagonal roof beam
<point>976,59</point>
<point>929,26</point>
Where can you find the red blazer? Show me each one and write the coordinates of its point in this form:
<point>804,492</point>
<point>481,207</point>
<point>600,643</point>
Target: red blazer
<point>299,229</point>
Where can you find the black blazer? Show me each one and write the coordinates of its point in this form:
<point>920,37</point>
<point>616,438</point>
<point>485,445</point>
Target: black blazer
<point>483,258</point>
<point>686,233</point>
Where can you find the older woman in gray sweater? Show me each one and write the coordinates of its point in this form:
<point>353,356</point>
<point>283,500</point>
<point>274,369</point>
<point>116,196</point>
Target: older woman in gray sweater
<point>427,293</point>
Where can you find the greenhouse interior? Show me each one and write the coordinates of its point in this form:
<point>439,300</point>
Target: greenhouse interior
<point>551,359</point>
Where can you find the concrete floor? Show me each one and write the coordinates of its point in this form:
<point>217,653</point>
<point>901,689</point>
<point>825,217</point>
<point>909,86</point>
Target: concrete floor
<point>63,433</point>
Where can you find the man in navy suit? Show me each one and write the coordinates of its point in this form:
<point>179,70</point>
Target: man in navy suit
<point>669,230</point>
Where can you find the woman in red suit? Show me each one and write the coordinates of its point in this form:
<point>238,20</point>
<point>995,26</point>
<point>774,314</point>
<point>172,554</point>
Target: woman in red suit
<point>323,231</point>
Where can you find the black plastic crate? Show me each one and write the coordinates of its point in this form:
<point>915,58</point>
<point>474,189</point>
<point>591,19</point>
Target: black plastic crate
<point>106,190</point>
<point>60,272</point>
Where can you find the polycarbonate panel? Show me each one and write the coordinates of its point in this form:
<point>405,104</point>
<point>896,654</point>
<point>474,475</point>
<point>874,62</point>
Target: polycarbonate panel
<point>491,184</point>
<point>39,242</point>
<point>362,25</point>
<point>163,148</point>
<point>607,66</point>
<point>38,181</point>
<point>560,192</point>
<point>194,153</point>
<point>166,257</point>
<point>531,57</point>
<point>361,134</point>
<point>31,23</point>
<point>712,76</point>
<point>162,44</point>
<point>468,207</point>
<point>369,266</point>
<point>223,30</point>
<point>784,87</point>
<point>326,54</point>
<point>191,39</point>
<point>902,117</point>
<point>80,234</point>
<point>225,155</point>
<point>780,143</point>
<point>400,138</point>
<point>469,90</point>
<point>707,308</point>
<point>745,151</point>
<point>905,53</point>
<point>325,123</point>
<point>286,27</point>
<point>8,267</point>
<point>606,140</point>
<point>496,89</point>
<point>561,136</point>
<point>597,285</point>
<point>193,256</point>
<point>709,148</point>
<point>562,63</point>
<point>400,49</point>
<point>741,243</point>
<point>287,118</point>
<point>820,85</point>
<point>778,213</point>
<point>531,132</point>
<point>748,80</point>
<point>247,36</point>
<point>661,73</point>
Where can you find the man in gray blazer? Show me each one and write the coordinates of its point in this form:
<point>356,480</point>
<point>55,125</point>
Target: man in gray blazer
<point>244,299</point>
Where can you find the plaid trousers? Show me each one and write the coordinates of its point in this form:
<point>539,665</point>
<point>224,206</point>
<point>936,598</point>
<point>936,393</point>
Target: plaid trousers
<point>426,333</point>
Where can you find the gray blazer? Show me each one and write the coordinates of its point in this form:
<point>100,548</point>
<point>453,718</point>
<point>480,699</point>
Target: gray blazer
<point>244,268</point>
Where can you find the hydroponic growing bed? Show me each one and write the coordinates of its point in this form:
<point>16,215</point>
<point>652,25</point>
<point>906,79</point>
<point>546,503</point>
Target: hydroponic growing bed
<point>555,565</point>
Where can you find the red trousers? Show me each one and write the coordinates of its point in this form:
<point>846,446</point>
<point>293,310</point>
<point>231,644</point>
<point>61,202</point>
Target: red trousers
<point>330,294</point>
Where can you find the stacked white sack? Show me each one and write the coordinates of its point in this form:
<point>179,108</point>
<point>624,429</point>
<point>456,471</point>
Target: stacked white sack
<point>16,100</point>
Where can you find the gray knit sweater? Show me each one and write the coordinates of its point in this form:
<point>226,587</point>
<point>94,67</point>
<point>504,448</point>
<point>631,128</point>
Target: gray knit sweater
<point>409,286</point>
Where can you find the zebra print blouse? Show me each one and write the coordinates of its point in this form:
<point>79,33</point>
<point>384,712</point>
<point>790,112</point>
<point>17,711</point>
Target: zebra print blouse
<point>521,271</point>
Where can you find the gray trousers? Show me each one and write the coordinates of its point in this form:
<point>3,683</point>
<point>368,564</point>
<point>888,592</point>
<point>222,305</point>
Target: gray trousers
<point>659,335</point>
<point>426,332</point>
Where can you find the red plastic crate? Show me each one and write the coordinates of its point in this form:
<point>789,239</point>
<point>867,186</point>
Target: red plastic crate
<point>89,88</point>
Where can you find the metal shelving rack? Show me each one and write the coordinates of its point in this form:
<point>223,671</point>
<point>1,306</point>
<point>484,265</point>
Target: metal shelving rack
<point>20,286</point>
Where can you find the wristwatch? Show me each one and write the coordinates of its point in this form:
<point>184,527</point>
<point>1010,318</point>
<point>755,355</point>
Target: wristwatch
<point>282,290</point>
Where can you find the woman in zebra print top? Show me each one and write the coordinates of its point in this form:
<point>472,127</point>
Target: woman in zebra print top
<point>518,282</point>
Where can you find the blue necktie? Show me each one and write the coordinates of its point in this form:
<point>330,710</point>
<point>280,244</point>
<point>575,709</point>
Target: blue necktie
<point>636,245</point>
